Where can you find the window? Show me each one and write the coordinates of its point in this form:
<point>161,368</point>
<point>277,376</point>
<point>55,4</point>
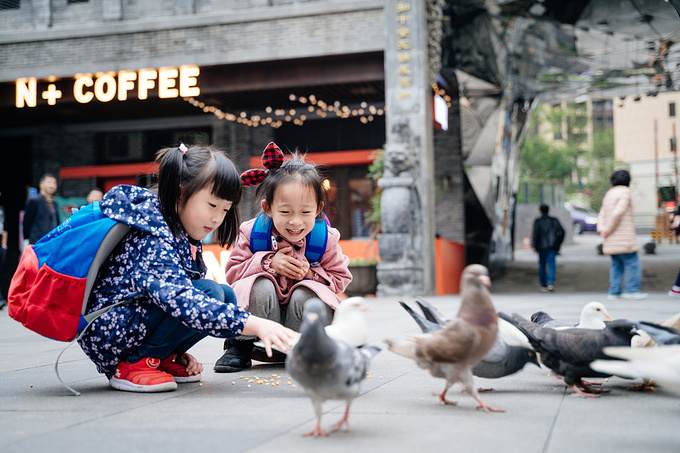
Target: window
<point>10,4</point>
<point>77,1</point>
<point>671,109</point>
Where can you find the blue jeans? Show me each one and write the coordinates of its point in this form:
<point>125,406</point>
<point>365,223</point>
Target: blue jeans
<point>628,264</point>
<point>546,258</point>
<point>167,335</point>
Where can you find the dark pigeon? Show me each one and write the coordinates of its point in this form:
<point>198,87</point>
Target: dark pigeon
<point>328,369</point>
<point>569,352</point>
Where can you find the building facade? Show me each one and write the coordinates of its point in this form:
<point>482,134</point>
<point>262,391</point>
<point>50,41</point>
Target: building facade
<point>645,133</point>
<point>90,90</point>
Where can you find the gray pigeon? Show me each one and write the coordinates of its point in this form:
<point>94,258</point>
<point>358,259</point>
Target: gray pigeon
<point>502,360</point>
<point>328,369</point>
<point>661,334</point>
<point>452,351</point>
<point>569,352</point>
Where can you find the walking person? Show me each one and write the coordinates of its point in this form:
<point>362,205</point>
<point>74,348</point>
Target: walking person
<point>546,239</point>
<point>41,215</point>
<point>615,225</point>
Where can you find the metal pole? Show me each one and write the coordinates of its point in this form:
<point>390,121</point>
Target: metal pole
<point>675,162</point>
<point>656,163</point>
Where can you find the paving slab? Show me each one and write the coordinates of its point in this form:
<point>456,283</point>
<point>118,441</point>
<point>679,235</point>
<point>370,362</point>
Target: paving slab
<point>396,410</point>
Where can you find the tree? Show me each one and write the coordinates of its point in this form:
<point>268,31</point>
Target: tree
<point>541,163</point>
<point>601,163</point>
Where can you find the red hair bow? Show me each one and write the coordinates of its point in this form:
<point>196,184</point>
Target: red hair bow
<point>272,158</point>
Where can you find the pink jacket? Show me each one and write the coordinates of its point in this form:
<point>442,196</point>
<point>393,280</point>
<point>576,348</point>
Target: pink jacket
<point>616,219</point>
<point>330,279</point>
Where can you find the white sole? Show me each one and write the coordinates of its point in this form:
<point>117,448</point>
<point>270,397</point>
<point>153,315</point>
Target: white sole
<point>188,379</point>
<point>127,386</point>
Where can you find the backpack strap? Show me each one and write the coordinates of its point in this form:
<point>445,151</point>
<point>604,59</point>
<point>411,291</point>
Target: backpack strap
<point>261,238</point>
<point>110,241</point>
<point>260,235</point>
<point>317,240</point>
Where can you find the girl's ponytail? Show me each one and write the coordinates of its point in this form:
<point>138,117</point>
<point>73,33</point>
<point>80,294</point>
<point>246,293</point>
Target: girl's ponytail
<point>170,170</point>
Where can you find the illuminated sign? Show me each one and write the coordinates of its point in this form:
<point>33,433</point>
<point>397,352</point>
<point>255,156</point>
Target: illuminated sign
<point>441,112</point>
<point>106,86</point>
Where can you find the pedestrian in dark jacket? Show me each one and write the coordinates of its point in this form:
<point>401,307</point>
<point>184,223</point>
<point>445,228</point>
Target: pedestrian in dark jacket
<point>546,240</point>
<point>142,347</point>
<point>41,215</point>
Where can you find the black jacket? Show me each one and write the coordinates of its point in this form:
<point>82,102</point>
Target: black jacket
<point>548,233</point>
<point>39,219</point>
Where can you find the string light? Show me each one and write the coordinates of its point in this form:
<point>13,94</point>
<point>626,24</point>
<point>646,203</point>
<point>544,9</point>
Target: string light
<point>276,118</point>
<point>441,92</point>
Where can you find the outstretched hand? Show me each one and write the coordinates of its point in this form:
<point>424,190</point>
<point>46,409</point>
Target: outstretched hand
<point>271,333</point>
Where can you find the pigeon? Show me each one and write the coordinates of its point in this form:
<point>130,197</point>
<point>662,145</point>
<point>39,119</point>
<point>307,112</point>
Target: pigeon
<point>662,335</point>
<point>662,364</point>
<point>593,316</point>
<point>644,340</point>
<point>348,325</point>
<point>511,334</point>
<point>451,351</point>
<point>569,352</point>
<point>328,369</point>
<point>502,360</point>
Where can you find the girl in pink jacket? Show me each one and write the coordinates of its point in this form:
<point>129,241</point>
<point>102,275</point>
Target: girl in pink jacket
<point>268,269</point>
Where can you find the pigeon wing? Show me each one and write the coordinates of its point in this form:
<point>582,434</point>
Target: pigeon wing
<point>425,325</point>
<point>454,343</point>
<point>431,313</point>
<point>355,363</point>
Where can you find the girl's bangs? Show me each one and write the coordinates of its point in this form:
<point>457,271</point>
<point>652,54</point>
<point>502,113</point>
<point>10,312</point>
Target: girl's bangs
<point>226,180</point>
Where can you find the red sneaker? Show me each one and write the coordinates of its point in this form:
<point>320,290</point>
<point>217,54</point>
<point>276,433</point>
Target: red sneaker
<point>178,371</point>
<point>142,376</point>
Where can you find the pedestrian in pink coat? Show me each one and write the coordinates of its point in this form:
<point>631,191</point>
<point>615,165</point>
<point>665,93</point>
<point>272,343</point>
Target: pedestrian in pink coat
<point>276,283</point>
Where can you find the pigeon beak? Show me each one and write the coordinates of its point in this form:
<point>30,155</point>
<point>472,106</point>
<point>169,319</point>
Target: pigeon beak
<point>365,308</point>
<point>485,280</point>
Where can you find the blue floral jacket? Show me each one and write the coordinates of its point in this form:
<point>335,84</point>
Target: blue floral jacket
<point>152,261</point>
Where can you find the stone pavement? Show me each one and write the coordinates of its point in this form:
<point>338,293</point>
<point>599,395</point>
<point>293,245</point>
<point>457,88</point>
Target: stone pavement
<point>395,412</point>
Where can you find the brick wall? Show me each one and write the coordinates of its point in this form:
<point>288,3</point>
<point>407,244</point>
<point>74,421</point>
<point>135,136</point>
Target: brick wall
<point>150,34</point>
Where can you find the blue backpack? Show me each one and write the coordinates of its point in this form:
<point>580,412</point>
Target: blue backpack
<point>52,284</point>
<point>262,239</point>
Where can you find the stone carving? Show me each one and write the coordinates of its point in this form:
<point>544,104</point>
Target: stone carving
<point>435,15</point>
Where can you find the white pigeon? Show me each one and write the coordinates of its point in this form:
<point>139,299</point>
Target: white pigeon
<point>661,364</point>
<point>328,369</point>
<point>512,335</point>
<point>593,316</point>
<point>349,323</point>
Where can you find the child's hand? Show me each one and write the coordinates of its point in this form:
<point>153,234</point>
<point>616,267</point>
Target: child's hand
<point>286,265</point>
<point>188,361</point>
<point>271,333</point>
<point>306,269</point>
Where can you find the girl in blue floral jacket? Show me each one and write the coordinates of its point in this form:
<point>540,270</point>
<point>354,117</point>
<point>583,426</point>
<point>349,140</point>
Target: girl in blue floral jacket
<point>142,347</point>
